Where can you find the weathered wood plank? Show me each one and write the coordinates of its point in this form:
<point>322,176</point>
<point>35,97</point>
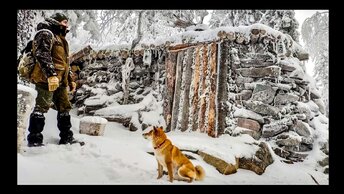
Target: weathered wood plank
<point>188,73</point>
<point>196,84</point>
<point>80,54</point>
<point>170,81</point>
<point>177,91</point>
<point>213,77</point>
<point>222,94</point>
<point>203,105</point>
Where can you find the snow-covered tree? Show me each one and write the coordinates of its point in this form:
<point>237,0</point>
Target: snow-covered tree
<point>282,20</point>
<point>316,38</point>
<point>26,24</point>
<point>120,26</point>
<point>234,17</point>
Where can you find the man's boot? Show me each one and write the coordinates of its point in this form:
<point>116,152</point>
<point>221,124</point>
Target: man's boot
<point>35,137</point>
<point>64,125</point>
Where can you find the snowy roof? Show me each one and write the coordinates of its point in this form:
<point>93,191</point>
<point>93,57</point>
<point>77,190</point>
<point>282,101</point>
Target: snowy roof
<point>208,35</point>
<point>212,34</point>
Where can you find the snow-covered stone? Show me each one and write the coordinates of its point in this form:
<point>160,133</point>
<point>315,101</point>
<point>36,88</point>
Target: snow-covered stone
<point>313,106</point>
<point>244,95</point>
<point>261,108</point>
<point>320,104</point>
<point>249,124</point>
<point>290,64</point>
<point>304,108</point>
<point>282,99</point>
<point>260,161</point>
<point>302,129</point>
<point>244,113</point>
<point>240,130</point>
<point>271,71</point>
<point>263,93</point>
<point>275,127</point>
<point>242,80</point>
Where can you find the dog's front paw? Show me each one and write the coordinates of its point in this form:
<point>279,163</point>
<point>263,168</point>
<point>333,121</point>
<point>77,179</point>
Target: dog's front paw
<point>159,176</point>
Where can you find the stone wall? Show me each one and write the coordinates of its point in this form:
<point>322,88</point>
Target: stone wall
<point>100,78</point>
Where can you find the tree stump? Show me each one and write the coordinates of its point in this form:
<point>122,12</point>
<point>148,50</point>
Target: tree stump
<point>94,126</point>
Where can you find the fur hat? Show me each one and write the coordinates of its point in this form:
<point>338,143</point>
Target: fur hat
<point>59,17</point>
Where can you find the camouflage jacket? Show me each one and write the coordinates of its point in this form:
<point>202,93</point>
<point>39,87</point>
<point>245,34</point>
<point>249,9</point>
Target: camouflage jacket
<point>51,51</point>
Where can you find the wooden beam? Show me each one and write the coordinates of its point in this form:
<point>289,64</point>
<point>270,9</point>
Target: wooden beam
<point>203,74</point>
<point>222,94</point>
<point>213,77</point>
<point>80,54</point>
<point>177,91</point>
<point>195,83</point>
<point>170,81</point>
<point>188,73</point>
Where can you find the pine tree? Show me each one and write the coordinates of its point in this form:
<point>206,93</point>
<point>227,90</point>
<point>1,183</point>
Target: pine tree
<point>234,18</point>
<point>26,24</point>
<point>282,20</point>
<point>316,38</point>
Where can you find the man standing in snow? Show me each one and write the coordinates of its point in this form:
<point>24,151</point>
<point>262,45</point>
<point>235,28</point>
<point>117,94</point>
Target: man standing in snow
<point>51,76</point>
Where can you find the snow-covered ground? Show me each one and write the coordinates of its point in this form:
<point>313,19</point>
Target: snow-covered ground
<point>120,157</point>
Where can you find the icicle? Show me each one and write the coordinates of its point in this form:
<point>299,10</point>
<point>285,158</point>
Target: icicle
<point>309,91</point>
<point>126,69</point>
<point>147,57</point>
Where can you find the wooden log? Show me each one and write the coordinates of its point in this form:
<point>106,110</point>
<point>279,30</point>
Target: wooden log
<point>93,54</point>
<point>239,38</point>
<point>170,81</point>
<point>231,36</point>
<point>196,84</point>
<point>213,77</point>
<point>188,73</point>
<point>177,91</point>
<point>221,34</point>
<point>203,74</point>
<point>180,46</point>
<point>262,32</point>
<point>254,36</point>
<point>94,126</point>
<point>255,31</point>
<point>222,94</point>
<point>80,54</point>
<point>25,105</point>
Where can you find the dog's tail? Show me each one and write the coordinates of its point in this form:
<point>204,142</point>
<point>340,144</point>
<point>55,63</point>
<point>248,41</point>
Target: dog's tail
<point>200,173</point>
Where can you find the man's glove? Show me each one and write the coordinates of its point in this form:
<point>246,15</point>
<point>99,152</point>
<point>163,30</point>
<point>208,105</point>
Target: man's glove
<point>53,83</point>
<point>72,87</point>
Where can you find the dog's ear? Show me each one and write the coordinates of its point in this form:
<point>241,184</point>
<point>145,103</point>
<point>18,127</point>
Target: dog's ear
<point>154,128</point>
